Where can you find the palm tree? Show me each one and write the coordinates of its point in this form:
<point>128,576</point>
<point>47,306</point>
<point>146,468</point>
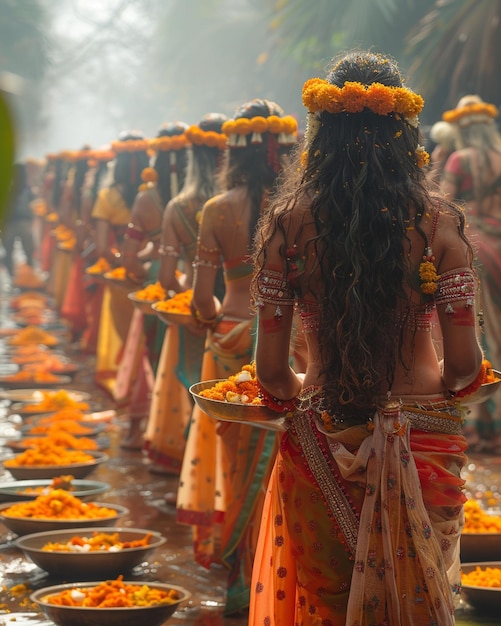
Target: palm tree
<point>313,32</point>
<point>457,50</point>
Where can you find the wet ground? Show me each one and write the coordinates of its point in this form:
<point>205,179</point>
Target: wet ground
<point>143,493</point>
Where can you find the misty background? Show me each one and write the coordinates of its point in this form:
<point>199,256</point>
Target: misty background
<point>79,72</point>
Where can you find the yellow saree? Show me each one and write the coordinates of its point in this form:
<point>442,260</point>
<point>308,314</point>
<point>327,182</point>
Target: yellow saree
<point>224,471</point>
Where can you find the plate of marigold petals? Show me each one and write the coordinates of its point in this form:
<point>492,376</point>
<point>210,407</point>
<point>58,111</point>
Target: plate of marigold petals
<point>86,553</point>
<point>481,586</point>
<point>22,490</point>
<point>122,603</point>
<point>47,461</point>
<point>25,379</point>
<point>33,335</point>
<point>57,510</point>
<point>236,399</point>
<point>144,298</point>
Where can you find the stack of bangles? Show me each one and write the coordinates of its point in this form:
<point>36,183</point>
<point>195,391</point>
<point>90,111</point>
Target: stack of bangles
<point>275,404</point>
<point>476,384</point>
<point>208,322</point>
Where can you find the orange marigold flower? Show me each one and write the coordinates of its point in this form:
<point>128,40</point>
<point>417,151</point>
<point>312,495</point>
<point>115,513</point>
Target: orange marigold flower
<point>259,124</point>
<point>354,97</point>
<point>382,101</point>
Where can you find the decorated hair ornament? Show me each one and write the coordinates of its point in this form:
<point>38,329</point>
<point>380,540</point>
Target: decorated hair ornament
<point>68,155</point>
<point>428,273</point>
<point>149,176</point>
<point>130,145</point>
<point>83,154</point>
<point>353,97</point>
<point>474,113</point>
<point>422,157</point>
<point>102,155</point>
<point>209,138</point>
<point>237,130</point>
<point>167,143</point>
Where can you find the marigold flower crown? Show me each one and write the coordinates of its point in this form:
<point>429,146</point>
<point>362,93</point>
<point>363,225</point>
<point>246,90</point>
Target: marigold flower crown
<point>133,145</point>
<point>237,130</point>
<point>353,97</point>
<point>475,113</point>
<point>103,154</point>
<point>166,143</point>
<point>210,138</point>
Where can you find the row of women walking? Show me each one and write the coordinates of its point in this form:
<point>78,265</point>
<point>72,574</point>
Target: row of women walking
<point>339,271</point>
<point>179,209</point>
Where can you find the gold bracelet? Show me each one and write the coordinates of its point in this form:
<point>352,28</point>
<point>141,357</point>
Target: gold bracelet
<point>217,317</point>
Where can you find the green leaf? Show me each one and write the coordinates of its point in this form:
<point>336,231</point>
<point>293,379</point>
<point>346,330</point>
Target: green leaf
<point>6,153</point>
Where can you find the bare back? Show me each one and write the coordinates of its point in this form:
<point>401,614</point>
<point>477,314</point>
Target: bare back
<point>224,236</point>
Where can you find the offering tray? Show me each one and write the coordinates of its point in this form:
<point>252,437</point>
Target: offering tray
<point>237,413</point>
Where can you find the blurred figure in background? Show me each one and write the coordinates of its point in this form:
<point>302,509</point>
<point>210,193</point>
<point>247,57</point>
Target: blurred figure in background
<point>95,178</point>
<point>140,257</point>
<point>18,219</point>
<point>182,350</point>
<point>226,467</point>
<point>472,174</point>
<point>74,298</point>
<point>443,135</point>
<point>111,215</point>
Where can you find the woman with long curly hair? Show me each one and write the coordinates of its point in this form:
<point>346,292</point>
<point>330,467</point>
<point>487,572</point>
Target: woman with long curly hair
<point>363,514</point>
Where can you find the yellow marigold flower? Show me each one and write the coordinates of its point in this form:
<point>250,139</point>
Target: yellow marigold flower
<point>289,124</point>
<point>427,271</point>
<point>242,126</point>
<point>380,99</point>
<point>149,175</point>
<point>354,97</point>
<point>275,124</point>
<point>429,288</point>
<point>228,127</point>
<point>259,124</point>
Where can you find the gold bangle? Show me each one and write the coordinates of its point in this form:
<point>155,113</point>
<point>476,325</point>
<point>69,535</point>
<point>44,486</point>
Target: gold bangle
<point>217,317</point>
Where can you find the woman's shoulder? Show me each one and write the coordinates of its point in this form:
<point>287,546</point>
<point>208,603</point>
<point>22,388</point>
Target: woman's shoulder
<point>225,201</point>
<point>444,227</point>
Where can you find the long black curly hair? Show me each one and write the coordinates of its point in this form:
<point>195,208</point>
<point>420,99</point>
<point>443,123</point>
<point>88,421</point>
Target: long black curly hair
<point>360,177</point>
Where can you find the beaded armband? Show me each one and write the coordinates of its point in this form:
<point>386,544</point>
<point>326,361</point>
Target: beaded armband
<point>168,251</point>
<point>272,288</point>
<point>134,233</point>
<point>310,318</point>
<point>454,286</point>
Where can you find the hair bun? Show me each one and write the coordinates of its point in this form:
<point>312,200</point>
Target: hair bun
<point>171,129</point>
<point>258,108</point>
<point>212,121</point>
